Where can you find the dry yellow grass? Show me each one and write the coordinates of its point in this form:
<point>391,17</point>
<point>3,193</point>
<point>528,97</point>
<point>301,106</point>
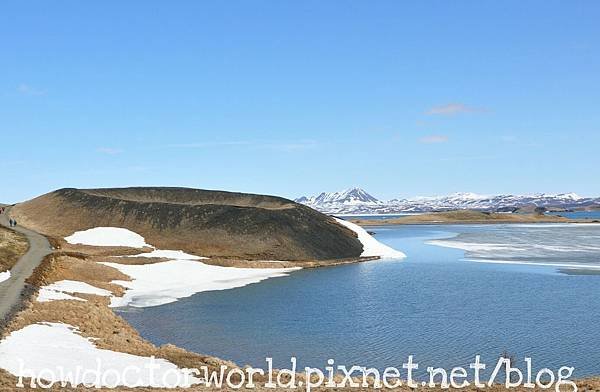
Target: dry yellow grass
<point>13,245</point>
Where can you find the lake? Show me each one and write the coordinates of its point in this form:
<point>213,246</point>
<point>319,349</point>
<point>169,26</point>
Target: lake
<point>438,304</point>
<point>578,214</point>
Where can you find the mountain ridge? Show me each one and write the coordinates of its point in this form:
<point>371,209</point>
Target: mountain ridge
<point>357,201</point>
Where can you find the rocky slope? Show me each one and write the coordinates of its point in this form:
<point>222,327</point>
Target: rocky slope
<point>206,223</point>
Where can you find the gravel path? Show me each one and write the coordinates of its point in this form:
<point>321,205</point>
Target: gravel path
<point>12,290</point>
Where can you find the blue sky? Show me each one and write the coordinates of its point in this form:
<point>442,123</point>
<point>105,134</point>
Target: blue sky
<point>291,98</point>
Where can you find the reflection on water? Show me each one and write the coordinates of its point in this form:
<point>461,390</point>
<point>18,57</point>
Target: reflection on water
<point>433,305</point>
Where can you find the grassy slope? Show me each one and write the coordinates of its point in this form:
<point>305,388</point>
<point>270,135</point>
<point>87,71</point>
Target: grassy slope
<point>12,246</point>
<point>207,223</point>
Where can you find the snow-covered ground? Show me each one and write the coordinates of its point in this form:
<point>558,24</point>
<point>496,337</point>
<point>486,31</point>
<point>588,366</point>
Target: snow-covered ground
<point>61,290</point>
<point>371,247</point>
<point>45,295</point>
<point>169,254</point>
<point>162,283</point>
<point>107,236</point>
<point>56,352</point>
<point>4,276</point>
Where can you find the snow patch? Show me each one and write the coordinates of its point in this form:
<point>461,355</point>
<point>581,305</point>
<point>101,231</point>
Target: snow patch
<point>371,247</point>
<point>53,352</point>
<point>45,295</point>
<point>107,236</point>
<point>169,254</point>
<point>4,276</point>
<point>166,282</point>
<point>59,290</point>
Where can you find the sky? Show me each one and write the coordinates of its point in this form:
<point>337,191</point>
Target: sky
<point>401,98</point>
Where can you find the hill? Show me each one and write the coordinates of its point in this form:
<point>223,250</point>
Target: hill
<point>203,222</point>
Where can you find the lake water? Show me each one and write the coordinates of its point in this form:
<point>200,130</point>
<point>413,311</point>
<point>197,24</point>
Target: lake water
<point>434,305</point>
<point>376,216</point>
<point>578,214</point>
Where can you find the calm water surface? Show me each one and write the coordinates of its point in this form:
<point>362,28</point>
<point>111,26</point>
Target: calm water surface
<point>434,305</point>
<point>578,214</point>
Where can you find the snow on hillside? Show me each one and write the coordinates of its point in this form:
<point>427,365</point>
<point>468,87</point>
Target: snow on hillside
<point>61,290</point>
<point>107,236</point>
<point>166,282</point>
<point>358,201</point>
<point>371,247</point>
<point>181,276</point>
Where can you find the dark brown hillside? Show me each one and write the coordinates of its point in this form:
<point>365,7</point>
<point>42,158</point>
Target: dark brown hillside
<point>208,223</point>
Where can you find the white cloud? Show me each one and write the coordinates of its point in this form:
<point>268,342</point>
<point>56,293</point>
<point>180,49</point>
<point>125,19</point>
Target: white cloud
<point>25,89</point>
<point>431,139</point>
<point>452,109</point>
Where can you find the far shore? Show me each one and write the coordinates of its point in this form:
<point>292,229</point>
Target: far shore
<point>469,217</point>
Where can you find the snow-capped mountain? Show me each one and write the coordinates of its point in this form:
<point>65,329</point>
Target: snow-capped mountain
<point>358,201</point>
<point>352,196</point>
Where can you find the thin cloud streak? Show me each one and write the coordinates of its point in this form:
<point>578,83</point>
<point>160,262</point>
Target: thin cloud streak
<point>452,109</point>
<point>433,139</point>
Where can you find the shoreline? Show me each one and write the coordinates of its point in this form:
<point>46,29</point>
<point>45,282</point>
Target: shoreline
<point>471,217</point>
<point>92,315</point>
<point>387,222</point>
<point>97,311</point>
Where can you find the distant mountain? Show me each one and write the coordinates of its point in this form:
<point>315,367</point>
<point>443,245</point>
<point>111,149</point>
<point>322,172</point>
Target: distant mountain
<point>358,201</point>
<point>353,196</point>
